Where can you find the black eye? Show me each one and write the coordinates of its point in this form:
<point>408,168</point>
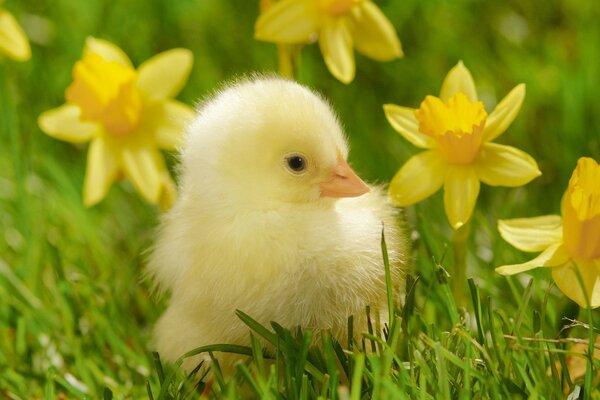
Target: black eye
<point>296,163</point>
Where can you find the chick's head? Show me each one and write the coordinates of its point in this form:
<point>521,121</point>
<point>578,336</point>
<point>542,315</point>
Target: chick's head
<point>269,140</point>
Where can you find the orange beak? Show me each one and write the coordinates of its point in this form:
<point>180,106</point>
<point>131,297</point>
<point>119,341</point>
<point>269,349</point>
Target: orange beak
<point>343,183</point>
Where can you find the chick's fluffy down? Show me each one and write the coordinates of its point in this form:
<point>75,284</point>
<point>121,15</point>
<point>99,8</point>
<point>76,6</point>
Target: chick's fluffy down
<point>248,233</point>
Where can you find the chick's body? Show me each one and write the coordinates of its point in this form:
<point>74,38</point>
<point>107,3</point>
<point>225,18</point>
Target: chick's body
<point>267,223</point>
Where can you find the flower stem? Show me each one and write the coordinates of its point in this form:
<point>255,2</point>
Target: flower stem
<point>289,59</point>
<point>460,239</point>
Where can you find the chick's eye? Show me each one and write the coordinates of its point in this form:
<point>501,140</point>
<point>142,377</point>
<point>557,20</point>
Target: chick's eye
<point>296,163</point>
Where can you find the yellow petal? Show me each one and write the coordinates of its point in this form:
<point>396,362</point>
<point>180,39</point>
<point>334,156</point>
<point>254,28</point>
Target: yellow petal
<point>171,125</point>
<point>461,188</point>
<point>13,41</point>
<point>374,35</point>
<point>551,257</point>
<point>421,176</point>
<point>107,50</point>
<point>102,169</point>
<point>63,123</point>
<point>567,281</point>
<point>335,41</point>
<point>500,165</point>
<point>459,79</point>
<point>287,21</point>
<point>532,234</point>
<point>504,113</point>
<point>404,121</point>
<point>164,75</point>
<point>143,165</point>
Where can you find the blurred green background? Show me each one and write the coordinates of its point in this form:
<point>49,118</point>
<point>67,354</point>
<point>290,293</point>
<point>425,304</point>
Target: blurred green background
<point>75,311</point>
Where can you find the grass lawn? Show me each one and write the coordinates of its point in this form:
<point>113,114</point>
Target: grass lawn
<point>76,314</point>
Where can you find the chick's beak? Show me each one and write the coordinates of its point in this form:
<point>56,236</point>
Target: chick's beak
<point>343,183</point>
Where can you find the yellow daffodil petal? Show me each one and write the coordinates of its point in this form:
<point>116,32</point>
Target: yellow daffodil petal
<point>174,117</point>
<point>459,79</point>
<point>374,34</point>
<point>461,188</point>
<point>164,75</point>
<point>107,50</point>
<point>13,41</point>
<point>335,41</point>
<point>421,176</point>
<point>500,165</point>
<point>143,166</point>
<point>532,234</point>
<point>404,121</point>
<point>287,21</point>
<point>504,113</point>
<point>101,171</point>
<point>64,123</point>
<point>551,257</point>
<point>567,281</point>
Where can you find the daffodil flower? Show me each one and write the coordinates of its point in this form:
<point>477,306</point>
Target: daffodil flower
<point>339,25</point>
<point>456,133</point>
<point>127,115</point>
<point>13,41</point>
<point>570,244</point>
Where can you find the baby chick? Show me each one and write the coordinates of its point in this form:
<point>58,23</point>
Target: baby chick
<point>270,220</point>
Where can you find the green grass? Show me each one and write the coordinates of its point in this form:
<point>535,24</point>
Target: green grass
<point>484,354</point>
<point>76,314</point>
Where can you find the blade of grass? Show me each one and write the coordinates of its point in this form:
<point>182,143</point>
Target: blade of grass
<point>249,379</point>
<point>257,354</point>
<point>256,327</point>
<point>158,367</point>
<point>357,377</point>
<point>477,309</point>
<point>388,279</point>
<point>523,306</point>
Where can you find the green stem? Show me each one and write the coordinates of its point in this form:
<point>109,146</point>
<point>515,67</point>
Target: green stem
<point>10,134</point>
<point>289,60</point>
<point>460,240</point>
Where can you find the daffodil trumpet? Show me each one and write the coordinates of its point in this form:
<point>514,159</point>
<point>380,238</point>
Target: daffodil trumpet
<point>569,243</point>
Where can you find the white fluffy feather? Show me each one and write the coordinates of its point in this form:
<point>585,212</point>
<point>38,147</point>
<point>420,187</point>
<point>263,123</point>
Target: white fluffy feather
<point>247,234</point>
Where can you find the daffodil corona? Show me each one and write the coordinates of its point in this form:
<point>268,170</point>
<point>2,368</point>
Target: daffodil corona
<point>13,41</point>
<point>339,25</point>
<point>456,126</point>
<point>570,243</point>
<point>127,114</point>
<point>456,132</point>
<point>106,93</point>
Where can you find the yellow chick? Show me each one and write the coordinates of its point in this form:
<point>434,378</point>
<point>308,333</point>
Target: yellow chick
<point>270,220</point>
